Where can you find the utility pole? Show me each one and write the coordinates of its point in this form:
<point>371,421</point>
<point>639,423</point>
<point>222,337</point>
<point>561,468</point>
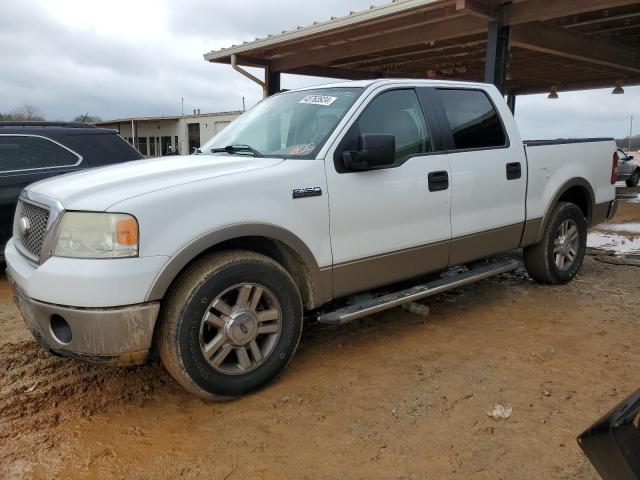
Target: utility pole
<point>630,132</point>
<point>243,107</point>
<point>182,102</point>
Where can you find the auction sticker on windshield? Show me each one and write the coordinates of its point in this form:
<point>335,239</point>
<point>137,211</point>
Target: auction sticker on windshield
<point>324,100</point>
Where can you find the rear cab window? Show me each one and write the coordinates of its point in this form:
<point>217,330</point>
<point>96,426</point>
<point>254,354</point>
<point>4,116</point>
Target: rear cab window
<point>472,118</point>
<point>111,145</point>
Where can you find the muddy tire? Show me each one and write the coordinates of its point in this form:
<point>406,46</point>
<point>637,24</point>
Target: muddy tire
<point>634,179</point>
<point>230,324</point>
<point>558,257</point>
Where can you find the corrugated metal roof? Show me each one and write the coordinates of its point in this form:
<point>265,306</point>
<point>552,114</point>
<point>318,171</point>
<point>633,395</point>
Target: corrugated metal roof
<point>568,44</point>
<point>374,12</point>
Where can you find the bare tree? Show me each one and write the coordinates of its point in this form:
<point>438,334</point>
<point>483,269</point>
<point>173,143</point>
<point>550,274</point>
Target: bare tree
<point>26,113</point>
<point>86,118</point>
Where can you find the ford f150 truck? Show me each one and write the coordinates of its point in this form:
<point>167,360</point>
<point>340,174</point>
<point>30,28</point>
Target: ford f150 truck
<point>311,196</point>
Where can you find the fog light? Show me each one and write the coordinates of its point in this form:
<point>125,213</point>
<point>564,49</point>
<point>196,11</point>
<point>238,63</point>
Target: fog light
<point>60,329</point>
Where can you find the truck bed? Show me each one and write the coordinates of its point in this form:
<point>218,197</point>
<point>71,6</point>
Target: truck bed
<point>553,164</point>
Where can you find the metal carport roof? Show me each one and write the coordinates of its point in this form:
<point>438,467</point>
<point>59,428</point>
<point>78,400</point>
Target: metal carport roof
<point>523,46</point>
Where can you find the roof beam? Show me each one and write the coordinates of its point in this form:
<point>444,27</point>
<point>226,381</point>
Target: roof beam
<point>453,50</point>
<point>477,9</point>
<point>610,18</point>
<point>532,11</point>
<point>559,42</point>
<point>406,38</point>
<point>332,72</point>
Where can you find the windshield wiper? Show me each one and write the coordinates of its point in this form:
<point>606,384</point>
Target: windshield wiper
<point>231,149</point>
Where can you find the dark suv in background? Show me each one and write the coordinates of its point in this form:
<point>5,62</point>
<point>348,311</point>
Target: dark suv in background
<point>32,151</point>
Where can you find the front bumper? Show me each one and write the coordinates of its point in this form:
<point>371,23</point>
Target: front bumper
<point>119,335</point>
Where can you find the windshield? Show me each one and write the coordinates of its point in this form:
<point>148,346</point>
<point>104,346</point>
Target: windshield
<point>290,125</point>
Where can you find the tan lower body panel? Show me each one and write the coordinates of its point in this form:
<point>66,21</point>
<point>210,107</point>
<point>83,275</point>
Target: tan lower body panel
<point>600,213</point>
<point>531,230</point>
<point>367,273</point>
<point>479,245</point>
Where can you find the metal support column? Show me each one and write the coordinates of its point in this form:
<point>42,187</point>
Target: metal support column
<point>511,101</point>
<point>497,57</point>
<point>273,81</point>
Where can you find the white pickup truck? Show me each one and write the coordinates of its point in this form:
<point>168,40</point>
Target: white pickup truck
<point>309,197</point>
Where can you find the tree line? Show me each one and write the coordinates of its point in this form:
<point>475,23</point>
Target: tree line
<point>624,142</point>
<point>29,113</point>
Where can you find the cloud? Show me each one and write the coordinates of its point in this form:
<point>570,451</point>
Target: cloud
<point>591,113</point>
<point>139,58</point>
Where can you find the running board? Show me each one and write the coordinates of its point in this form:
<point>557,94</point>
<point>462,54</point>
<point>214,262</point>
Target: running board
<point>375,305</point>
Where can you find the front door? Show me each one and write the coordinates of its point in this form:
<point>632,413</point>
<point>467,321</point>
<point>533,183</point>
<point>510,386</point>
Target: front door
<point>390,224</point>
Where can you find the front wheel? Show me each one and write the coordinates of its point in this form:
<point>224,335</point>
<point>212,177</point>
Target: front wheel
<point>634,179</point>
<point>230,325</point>
<point>558,257</point>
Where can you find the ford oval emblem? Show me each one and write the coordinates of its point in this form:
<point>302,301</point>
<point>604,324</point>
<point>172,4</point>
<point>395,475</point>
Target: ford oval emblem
<point>24,226</point>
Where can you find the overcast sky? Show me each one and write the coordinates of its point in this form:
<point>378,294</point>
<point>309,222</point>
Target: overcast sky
<point>125,58</point>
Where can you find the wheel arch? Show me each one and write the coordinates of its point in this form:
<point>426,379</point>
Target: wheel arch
<point>577,191</point>
<point>270,240</point>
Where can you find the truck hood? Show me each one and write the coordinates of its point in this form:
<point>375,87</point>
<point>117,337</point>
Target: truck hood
<point>98,188</point>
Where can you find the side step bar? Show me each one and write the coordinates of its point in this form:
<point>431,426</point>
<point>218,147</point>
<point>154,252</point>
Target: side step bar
<point>375,305</point>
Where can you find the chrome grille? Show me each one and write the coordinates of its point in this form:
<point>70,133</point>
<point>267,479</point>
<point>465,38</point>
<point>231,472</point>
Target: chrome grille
<point>37,219</point>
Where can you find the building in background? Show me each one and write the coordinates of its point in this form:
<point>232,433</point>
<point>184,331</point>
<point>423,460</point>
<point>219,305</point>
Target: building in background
<point>158,136</point>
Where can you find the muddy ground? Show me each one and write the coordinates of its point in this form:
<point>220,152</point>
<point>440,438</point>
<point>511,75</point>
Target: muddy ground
<point>394,396</point>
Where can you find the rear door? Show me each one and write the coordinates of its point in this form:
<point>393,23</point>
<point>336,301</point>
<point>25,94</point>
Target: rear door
<point>488,172</point>
<point>390,224</point>
<point>25,159</point>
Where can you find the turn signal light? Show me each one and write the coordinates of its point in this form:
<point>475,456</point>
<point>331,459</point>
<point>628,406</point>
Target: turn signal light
<point>127,232</point>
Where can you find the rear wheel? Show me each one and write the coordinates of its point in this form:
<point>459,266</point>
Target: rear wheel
<point>634,179</point>
<point>231,324</point>
<point>558,257</point>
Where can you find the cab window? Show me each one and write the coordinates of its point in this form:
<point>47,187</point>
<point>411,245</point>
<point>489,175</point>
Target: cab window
<point>398,113</point>
<point>472,118</point>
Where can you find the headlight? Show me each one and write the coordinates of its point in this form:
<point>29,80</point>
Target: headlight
<point>96,235</point>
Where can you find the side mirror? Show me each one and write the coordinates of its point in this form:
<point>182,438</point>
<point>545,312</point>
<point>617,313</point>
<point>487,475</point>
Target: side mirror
<point>375,150</point>
<point>631,157</point>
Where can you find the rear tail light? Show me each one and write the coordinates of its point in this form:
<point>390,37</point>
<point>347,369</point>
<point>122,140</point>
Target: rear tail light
<point>614,169</point>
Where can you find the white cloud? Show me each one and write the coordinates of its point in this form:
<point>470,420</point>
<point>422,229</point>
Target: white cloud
<point>592,113</point>
<point>140,57</point>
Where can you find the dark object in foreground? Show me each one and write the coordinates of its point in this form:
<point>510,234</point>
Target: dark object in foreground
<point>612,444</point>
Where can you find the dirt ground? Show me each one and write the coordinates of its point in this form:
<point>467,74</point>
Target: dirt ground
<point>393,396</point>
